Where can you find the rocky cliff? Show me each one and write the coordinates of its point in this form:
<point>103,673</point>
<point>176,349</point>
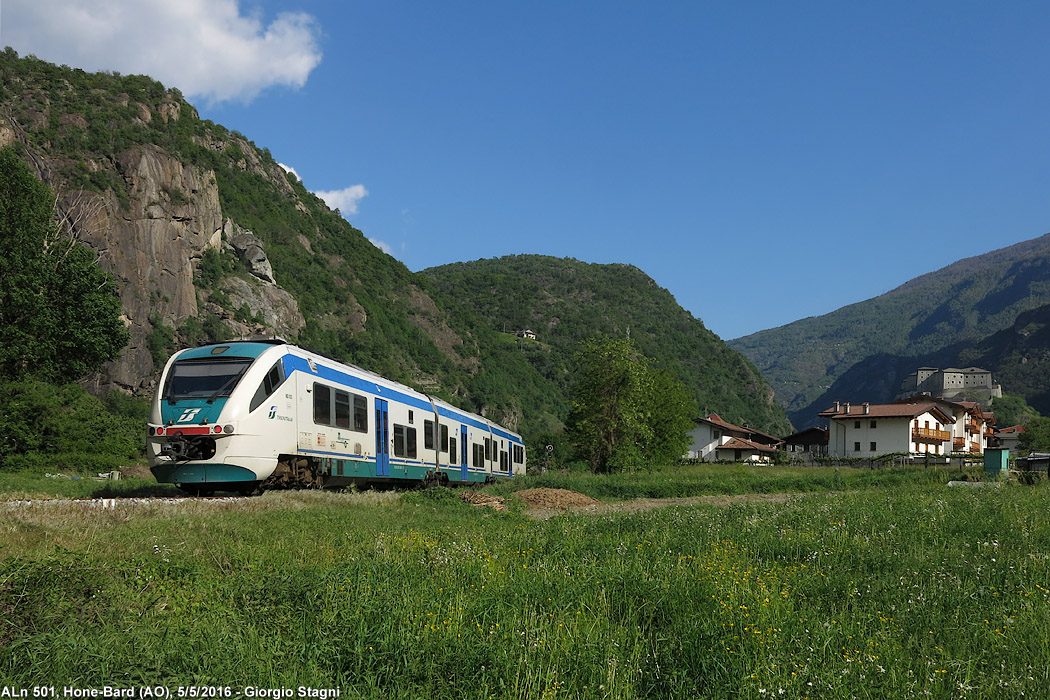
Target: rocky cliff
<point>150,234</point>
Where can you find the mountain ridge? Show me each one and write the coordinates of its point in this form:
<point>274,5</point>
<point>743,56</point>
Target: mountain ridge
<point>163,198</point>
<point>956,305</point>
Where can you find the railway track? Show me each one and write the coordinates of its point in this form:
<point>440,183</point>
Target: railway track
<point>109,503</point>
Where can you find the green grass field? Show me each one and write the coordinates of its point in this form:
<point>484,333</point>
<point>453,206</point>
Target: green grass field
<point>867,584</point>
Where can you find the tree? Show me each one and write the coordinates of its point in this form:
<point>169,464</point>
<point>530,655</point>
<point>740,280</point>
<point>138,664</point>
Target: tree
<point>59,315</point>
<point>1012,409</point>
<point>1036,437</point>
<point>624,411</point>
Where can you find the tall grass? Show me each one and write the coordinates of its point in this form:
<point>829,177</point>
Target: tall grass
<point>897,592</point>
<point>704,479</point>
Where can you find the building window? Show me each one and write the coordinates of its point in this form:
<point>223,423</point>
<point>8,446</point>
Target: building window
<point>872,447</point>
<point>856,424</point>
<point>856,447</point>
<point>872,424</point>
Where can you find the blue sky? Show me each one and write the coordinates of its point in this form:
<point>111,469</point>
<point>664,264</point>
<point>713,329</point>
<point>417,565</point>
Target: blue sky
<point>763,161</point>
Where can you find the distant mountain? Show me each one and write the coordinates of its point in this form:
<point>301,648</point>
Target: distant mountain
<point>564,301</point>
<point>871,345</point>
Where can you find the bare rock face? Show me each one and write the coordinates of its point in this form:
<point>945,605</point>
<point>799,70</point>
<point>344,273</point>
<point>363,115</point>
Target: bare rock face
<point>278,310</point>
<point>152,243</point>
<point>249,250</point>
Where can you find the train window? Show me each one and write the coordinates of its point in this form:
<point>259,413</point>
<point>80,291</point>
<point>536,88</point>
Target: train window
<point>404,441</point>
<point>519,454</point>
<point>273,379</point>
<point>342,410</point>
<point>411,416</point>
<point>204,379</point>
<point>360,413</point>
<point>504,461</point>
<point>433,430</point>
<point>488,449</point>
<point>452,451</point>
<point>479,456</point>
<point>322,405</point>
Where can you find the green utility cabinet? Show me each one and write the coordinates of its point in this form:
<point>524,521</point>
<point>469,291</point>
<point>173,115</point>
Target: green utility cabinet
<point>996,462</point>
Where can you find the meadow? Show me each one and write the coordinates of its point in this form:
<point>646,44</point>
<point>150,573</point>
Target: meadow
<point>872,585</point>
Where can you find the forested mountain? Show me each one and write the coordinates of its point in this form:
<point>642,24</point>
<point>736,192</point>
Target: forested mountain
<point>208,238</point>
<point>934,319</point>
<point>565,300</point>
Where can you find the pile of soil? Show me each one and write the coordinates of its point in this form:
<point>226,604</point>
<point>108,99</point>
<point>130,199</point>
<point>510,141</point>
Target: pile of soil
<point>555,498</point>
<point>135,471</point>
<point>483,500</point>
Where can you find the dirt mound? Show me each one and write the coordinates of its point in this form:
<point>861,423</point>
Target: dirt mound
<point>135,471</point>
<point>555,498</point>
<point>481,500</point>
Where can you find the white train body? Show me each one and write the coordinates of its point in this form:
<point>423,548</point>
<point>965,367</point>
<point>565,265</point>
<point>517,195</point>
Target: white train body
<point>233,415</point>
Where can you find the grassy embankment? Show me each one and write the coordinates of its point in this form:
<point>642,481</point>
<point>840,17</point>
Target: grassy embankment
<point>898,590</point>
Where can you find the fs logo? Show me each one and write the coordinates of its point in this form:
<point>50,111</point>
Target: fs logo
<point>273,412</point>
<point>188,415</point>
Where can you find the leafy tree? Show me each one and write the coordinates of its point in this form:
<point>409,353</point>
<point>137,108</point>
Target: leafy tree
<point>1036,437</point>
<point>1012,409</point>
<point>670,414</point>
<point>59,315</point>
<point>624,411</point>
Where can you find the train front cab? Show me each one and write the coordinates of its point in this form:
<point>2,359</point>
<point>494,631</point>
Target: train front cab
<point>221,417</point>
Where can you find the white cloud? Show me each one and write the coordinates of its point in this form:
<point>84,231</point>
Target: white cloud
<point>385,247</point>
<point>345,200</point>
<point>290,169</point>
<point>206,48</point>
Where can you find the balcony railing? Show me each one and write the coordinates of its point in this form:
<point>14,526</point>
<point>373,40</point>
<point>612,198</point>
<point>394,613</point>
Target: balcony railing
<point>930,435</point>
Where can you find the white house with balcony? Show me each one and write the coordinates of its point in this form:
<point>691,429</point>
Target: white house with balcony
<point>971,429</point>
<point>870,430</point>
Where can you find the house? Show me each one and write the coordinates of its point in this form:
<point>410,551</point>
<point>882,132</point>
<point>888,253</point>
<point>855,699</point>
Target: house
<point>531,335</point>
<point>971,430</point>
<point>811,441</point>
<point>870,430</point>
<point>1009,438</point>
<point>716,439</point>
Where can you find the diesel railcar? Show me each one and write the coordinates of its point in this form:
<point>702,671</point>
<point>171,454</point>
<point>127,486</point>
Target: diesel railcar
<point>245,415</point>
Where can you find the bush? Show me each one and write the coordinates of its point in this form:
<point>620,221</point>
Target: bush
<point>43,426</point>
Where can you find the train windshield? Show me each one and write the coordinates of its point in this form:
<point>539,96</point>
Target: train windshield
<point>205,379</point>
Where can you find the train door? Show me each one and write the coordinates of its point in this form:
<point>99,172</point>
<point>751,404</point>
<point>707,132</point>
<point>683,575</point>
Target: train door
<point>464,474</point>
<point>382,439</point>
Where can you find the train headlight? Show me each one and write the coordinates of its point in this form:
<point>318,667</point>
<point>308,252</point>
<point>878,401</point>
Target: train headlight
<point>227,428</point>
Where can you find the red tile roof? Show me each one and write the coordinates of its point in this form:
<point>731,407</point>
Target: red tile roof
<point>717,420</point>
<point>742,444</point>
<point>885,410</point>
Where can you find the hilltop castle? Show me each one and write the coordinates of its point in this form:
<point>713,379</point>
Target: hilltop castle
<point>951,383</point>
